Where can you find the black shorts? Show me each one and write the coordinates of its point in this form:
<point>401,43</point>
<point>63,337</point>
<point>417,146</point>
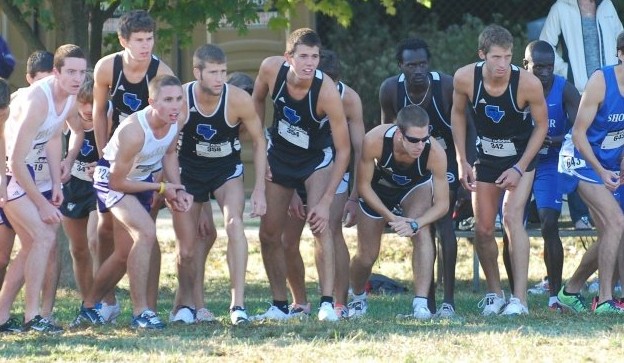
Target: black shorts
<point>488,172</point>
<point>290,172</point>
<point>452,172</point>
<point>79,198</point>
<point>202,187</point>
<point>390,197</point>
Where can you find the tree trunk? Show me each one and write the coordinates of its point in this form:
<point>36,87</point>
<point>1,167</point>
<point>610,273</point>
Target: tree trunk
<point>16,18</point>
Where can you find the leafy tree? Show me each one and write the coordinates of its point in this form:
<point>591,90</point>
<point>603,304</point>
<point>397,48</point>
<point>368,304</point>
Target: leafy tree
<point>81,21</point>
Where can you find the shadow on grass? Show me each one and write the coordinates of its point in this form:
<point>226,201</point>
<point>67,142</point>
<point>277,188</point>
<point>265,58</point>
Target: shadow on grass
<point>379,324</point>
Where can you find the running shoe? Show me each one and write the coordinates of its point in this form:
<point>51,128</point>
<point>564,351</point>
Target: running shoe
<point>357,308</point>
<point>327,312</point>
<point>87,317</point>
<point>515,307</point>
<point>147,320</point>
<point>608,307</point>
<point>445,311</point>
<point>574,302</point>
<point>492,304</point>
<point>273,313</point>
<point>41,325</point>
<point>11,326</point>
<point>110,312</point>
<point>183,314</point>
<point>204,315</point>
<point>238,315</point>
<point>420,310</point>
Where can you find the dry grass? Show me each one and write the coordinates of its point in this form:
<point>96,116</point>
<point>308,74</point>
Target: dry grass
<point>542,336</point>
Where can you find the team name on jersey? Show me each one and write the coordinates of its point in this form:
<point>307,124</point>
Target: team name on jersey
<point>615,117</point>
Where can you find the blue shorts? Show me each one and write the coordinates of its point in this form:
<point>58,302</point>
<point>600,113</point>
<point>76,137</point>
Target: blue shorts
<point>545,187</point>
<point>107,198</point>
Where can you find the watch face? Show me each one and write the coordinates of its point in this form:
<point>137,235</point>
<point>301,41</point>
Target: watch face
<point>414,226</point>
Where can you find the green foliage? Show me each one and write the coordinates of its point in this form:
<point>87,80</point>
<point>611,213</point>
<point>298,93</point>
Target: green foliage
<point>367,48</point>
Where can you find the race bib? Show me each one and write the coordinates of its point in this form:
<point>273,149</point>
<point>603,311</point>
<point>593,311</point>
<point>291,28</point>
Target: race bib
<point>208,150</point>
<point>79,170</point>
<point>613,140</point>
<point>100,175</point>
<point>498,147</point>
<point>567,164</point>
<point>293,134</point>
<point>41,169</point>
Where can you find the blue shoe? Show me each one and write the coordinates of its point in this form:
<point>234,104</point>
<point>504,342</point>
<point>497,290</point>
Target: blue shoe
<point>86,317</point>
<point>147,320</point>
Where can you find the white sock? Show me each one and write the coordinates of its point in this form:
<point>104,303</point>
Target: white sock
<point>552,300</point>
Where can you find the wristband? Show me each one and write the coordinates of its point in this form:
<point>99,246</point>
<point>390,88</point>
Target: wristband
<point>161,190</point>
<point>517,169</point>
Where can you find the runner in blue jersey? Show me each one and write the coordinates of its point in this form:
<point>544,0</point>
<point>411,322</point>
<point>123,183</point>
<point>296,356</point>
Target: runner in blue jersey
<point>591,158</point>
<point>562,100</point>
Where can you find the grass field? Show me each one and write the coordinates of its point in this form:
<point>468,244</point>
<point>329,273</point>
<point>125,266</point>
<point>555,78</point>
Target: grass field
<point>543,336</point>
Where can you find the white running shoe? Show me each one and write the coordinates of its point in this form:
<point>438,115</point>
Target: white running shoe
<point>110,312</point>
<point>492,304</point>
<point>204,315</point>
<point>184,314</point>
<point>238,316</point>
<point>273,313</point>
<point>445,311</point>
<point>327,312</point>
<point>421,311</point>
<point>357,308</point>
<point>515,307</point>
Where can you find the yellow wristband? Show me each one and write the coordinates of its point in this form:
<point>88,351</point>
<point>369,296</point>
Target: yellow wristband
<point>162,188</point>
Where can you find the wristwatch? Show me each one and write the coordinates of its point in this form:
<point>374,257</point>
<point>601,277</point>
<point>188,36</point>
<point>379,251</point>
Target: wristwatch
<point>414,225</point>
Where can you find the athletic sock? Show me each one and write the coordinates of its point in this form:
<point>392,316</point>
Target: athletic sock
<point>282,305</point>
<point>328,299</point>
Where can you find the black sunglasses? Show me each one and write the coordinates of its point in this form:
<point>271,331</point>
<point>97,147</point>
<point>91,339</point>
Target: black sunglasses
<point>416,140</point>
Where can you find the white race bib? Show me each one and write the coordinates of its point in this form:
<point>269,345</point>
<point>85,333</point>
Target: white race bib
<point>79,170</point>
<point>41,169</point>
<point>613,140</point>
<point>498,147</point>
<point>208,150</point>
<point>567,164</point>
<point>293,134</point>
<point>100,175</point>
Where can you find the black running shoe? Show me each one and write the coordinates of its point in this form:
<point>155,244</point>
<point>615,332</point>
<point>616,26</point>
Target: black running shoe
<point>11,326</point>
<point>147,320</point>
<point>87,317</point>
<point>42,325</point>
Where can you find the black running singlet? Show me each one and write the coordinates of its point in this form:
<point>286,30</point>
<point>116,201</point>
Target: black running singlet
<point>503,129</point>
<point>390,174</point>
<point>439,120</point>
<point>297,129</point>
<point>206,140</point>
<point>127,97</point>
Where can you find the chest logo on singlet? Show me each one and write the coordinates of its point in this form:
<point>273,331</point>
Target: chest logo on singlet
<point>131,100</point>
<point>401,179</point>
<point>86,148</point>
<point>291,115</point>
<point>206,131</point>
<point>494,113</point>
